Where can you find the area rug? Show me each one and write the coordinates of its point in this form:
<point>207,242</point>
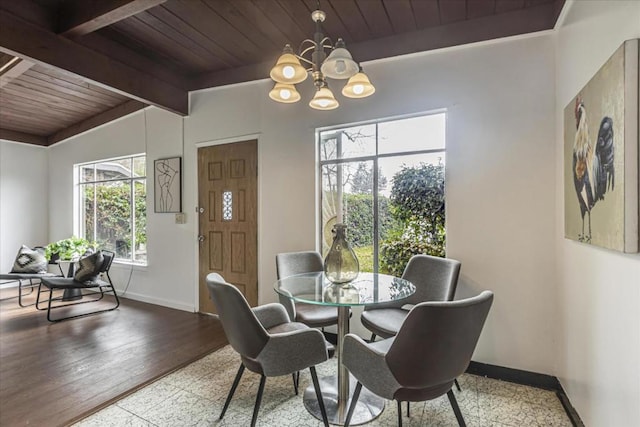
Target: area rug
<point>194,396</point>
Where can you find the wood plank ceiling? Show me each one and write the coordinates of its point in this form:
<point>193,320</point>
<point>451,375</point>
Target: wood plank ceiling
<point>69,65</point>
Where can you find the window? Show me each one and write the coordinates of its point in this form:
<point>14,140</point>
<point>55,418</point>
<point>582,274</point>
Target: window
<point>111,204</point>
<point>385,181</point>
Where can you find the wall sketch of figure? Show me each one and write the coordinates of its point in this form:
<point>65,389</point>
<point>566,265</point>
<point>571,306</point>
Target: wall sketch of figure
<point>165,174</point>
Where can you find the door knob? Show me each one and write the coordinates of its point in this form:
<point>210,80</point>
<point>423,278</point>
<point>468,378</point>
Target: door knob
<point>201,238</point>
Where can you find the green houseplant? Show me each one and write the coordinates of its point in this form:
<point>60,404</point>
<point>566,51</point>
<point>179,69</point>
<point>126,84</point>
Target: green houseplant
<point>68,249</point>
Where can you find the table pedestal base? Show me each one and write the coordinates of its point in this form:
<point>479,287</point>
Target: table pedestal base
<point>72,294</point>
<point>369,405</point>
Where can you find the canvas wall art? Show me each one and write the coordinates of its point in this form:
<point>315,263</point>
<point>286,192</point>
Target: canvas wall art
<point>601,156</point>
<point>168,185</point>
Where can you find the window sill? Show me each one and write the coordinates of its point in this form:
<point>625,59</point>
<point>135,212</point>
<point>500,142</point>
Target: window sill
<point>126,265</point>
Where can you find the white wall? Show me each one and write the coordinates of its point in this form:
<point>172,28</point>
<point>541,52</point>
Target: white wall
<point>500,179</point>
<point>168,278</point>
<point>599,350</point>
<point>500,174</point>
<point>24,199</point>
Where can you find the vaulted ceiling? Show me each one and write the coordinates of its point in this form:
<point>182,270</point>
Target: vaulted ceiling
<point>67,66</point>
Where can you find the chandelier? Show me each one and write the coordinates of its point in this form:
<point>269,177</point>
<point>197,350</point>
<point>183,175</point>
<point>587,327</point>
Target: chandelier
<point>339,65</point>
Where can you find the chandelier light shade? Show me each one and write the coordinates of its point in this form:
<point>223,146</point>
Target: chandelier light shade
<point>324,100</point>
<point>288,68</point>
<point>339,65</point>
<point>285,93</point>
<point>358,86</point>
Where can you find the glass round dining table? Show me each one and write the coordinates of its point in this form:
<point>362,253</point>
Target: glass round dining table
<point>368,289</point>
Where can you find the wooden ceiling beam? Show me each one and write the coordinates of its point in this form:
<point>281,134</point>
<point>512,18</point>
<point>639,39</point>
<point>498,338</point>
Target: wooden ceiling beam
<point>20,38</point>
<point>80,17</point>
<point>507,24</point>
<point>31,11</point>
<point>15,136</point>
<point>95,121</point>
<point>14,68</point>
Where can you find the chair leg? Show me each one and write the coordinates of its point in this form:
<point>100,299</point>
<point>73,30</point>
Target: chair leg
<point>354,402</point>
<point>408,412</point>
<point>400,413</point>
<point>38,298</point>
<point>236,381</point>
<point>373,338</point>
<point>316,386</point>
<point>457,385</point>
<point>256,408</point>
<point>31,285</point>
<point>456,408</point>
<point>295,382</point>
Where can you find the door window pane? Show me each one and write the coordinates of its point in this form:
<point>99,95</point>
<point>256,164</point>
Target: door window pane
<point>227,206</point>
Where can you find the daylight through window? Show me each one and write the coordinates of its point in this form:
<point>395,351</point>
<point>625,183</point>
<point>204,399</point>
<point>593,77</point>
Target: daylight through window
<point>385,181</point>
<point>112,212</point>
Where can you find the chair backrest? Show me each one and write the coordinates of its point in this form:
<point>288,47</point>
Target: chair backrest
<point>435,278</point>
<point>107,260</point>
<point>244,332</point>
<point>290,263</point>
<point>436,341</point>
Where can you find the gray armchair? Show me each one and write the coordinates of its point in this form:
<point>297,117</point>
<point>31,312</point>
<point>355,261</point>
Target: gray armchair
<point>291,263</point>
<point>432,348</point>
<point>435,279</point>
<point>268,342</point>
<point>89,290</point>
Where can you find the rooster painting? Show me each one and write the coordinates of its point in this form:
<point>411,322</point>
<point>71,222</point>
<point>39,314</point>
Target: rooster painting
<point>593,171</point>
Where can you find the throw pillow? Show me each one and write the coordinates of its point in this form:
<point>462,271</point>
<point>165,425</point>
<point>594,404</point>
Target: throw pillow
<point>30,261</point>
<point>89,267</point>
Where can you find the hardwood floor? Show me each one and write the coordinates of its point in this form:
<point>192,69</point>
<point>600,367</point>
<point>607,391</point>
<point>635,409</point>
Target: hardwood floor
<point>56,373</point>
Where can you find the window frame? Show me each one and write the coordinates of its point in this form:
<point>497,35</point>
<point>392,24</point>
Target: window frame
<point>78,184</point>
<point>368,158</point>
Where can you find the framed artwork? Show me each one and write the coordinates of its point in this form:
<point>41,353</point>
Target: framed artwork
<point>601,156</point>
<point>167,177</point>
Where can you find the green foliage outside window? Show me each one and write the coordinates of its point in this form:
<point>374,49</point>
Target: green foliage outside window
<point>114,213</point>
<point>417,205</point>
<point>359,218</point>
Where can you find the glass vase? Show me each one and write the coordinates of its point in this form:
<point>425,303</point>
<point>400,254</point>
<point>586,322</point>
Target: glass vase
<point>341,264</point>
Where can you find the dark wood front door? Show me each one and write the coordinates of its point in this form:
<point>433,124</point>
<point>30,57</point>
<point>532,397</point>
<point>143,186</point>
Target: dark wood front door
<point>227,202</point>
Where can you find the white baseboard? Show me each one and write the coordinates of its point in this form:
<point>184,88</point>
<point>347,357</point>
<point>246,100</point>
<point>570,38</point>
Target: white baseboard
<point>8,284</point>
<point>157,301</point>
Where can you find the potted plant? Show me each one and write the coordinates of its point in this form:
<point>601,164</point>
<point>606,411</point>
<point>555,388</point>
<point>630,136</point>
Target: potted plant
<point>68,249</point>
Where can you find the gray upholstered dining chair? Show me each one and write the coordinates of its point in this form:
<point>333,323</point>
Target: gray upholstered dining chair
<point>268,342</point>
<point>291,263</point>
<point>435,279</point>
<point>432,348</point>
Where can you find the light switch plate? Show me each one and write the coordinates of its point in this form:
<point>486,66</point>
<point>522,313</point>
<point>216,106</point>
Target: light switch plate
<point>181,218</point>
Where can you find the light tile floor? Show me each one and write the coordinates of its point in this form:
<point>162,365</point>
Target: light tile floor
<point>194,395</point>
